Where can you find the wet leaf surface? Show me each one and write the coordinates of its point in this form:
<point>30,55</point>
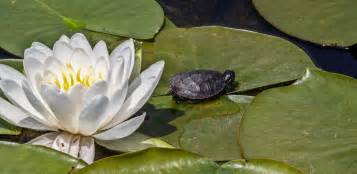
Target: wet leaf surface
<point>28,159</point>
<point>311,124</point>
<point>323,22</point>
<point>45,21</point>
<point>258,60</point>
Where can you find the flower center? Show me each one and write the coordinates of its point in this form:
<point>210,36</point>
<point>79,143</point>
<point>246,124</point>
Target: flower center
<point>69,77</point>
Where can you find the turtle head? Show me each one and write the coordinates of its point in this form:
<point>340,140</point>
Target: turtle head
<point>229,77</point>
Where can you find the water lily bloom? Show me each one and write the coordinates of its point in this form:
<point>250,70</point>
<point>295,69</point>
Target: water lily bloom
<point>78,93</point>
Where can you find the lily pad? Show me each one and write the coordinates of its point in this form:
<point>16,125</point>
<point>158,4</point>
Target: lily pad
<point>331,22</point>
<point>175,161</point>
<point>257,166</point>
<point>258,59</point>
<point>153,161</point>
<point>213,137</point>
<point>203,124</point>
<point>25,159</point>
<point>26,21</point>
<point>310,125</point>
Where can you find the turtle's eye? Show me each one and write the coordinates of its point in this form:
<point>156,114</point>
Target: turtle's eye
<point>229,76</point>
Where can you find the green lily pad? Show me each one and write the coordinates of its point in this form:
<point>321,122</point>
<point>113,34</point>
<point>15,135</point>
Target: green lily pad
<point>213,137</point>
<point>258,59</point>
<point>152,161</point>
<point>204,124</point>
<point>34,20</point>
<point>28,159</point>
<point>310,125</point>
<point>257,166</point>
<point>323,22</point>
<point>175,161</point>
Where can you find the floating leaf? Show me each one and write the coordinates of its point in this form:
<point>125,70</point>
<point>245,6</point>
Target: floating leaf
<point>213,137</point>
<point>153,161</point>
<point>25,159</point>
<point>258,59</point>
<point>175,161</point>
<point>26,21</point>
<point>257,166</point>
<point>311,124</point>
<point>331,22</point>
<point>204,124</point>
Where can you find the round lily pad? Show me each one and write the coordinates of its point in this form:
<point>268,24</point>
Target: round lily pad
<point>213,137</point>
<point>26,21</point>
<point>174,161</point>
<point>191,126</point>
<point>25,159</point>
<point>258,59</point>
<point>331,22</point>
<point>153,161</point>
<point>310,125</point>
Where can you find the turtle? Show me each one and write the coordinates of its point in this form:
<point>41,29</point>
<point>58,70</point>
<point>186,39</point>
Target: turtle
<point>199,85</point>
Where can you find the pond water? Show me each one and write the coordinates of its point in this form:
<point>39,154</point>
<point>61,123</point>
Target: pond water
<point>241,14</point>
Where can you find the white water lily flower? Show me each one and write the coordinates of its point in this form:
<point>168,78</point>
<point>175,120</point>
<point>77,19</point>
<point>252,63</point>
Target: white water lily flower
<point>78,92</point>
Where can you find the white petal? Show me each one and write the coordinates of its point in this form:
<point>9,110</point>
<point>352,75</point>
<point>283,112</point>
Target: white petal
<point>92,114</point>
<point>80,59</point>
<point>125,51</point>
<point>16,95</point>
<point>98,88</point>
<point>137,97</point>
<point>76,94</point>
<point>78,40</point>
<point>101,50</point>
<point>122,130</point>
<point>74,145</point>
<point>87,149</point>
<point>45,139</point>
<point>102,68</point>
<point>62,105</point>
<point>53,65</point>
<point>42,48</point>
<point>64,38</point>
<point>36,54</point>
<point>16,116</point>
<point>115,102</point>
<point>117,72</point>
<point>7,72</point>
<point>62,142</point>
<point>32,67</point>
<point>62,51</point>
<point>40,106</point>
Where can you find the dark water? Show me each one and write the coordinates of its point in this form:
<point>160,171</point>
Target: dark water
<point>241,14</point>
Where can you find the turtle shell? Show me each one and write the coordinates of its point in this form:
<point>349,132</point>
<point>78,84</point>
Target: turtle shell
<point>197,84</point>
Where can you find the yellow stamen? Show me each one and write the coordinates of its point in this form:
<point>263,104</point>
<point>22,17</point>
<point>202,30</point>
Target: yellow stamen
<point>70,77</point>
